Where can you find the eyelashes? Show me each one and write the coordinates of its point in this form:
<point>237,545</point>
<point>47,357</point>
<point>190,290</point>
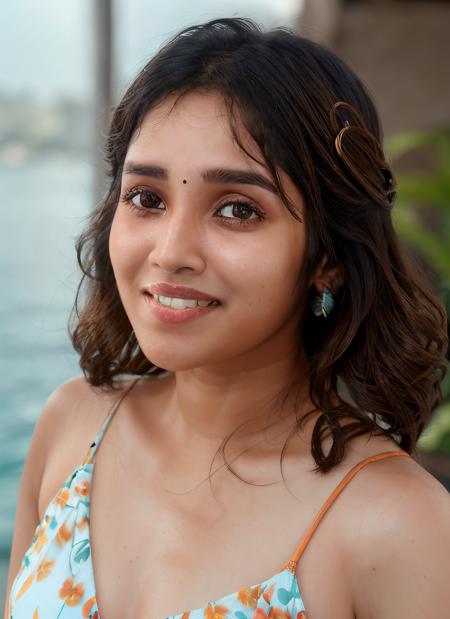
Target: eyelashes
<point>129,196</point>
<point>149,201</point>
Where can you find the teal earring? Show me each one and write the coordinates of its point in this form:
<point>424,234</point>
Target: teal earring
<point>323,303</point>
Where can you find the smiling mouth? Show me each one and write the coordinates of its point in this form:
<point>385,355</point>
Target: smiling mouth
<point>181,304</point>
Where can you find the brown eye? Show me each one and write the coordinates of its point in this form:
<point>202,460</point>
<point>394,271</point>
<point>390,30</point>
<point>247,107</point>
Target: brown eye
<point>144,199</point>
<point>239,210</point>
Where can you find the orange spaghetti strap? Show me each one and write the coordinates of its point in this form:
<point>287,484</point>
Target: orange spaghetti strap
<point>292,563</point>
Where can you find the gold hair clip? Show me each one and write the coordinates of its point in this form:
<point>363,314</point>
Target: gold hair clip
<point>337,141</point>
<point>360,127</point>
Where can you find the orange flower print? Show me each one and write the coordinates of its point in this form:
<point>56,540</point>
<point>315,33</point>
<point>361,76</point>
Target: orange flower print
<point>80,525</point>
<point>185,615</point>
<point>71,593</point>
<point>302,615</point>
<point>83,488</point>
<point>267,595</point>
<point>63,535</point>
<point>278,613</point>
<point>216,612</point>
<point>62,497</point>
<point>40,541</point>
<point>259,614</point>
<point>249,596</point>
<point>87,607</point>
<point>41,538</point>
<point>25,586</point>
<point>36,614</point>
<point>44,569</point>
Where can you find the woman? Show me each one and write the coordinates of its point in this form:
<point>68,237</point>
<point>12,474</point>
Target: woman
<point>243,269</point>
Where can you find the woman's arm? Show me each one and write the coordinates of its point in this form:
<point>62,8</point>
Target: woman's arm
<point>43,438</point>
<point>402,563</point>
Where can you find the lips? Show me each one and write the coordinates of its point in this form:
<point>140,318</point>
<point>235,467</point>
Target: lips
<point>174,316</point>
<point>181,292</point>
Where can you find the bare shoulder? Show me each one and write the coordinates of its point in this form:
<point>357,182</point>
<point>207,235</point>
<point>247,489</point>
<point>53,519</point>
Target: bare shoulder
<point>75,412</point>
<point>76,392</point>
<point>70,419</point>
<point>76,403</point>
<point>398,547</point>
<point>73,408</point>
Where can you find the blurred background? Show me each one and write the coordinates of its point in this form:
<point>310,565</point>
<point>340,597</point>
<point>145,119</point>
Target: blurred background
<point>64,65</point>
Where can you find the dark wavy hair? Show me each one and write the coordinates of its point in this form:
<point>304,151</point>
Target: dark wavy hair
<point>311,116</point>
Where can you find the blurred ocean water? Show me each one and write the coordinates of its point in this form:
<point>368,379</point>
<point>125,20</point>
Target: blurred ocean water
<point>44,206</point>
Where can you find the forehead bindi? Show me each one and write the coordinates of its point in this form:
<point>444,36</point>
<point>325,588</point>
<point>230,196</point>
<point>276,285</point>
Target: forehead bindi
<point>212,176</point>
<point>192,138</point>
<point>168,148</point>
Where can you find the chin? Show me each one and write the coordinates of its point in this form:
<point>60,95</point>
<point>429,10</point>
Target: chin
<point>171,361</point>
<point>182,356</point>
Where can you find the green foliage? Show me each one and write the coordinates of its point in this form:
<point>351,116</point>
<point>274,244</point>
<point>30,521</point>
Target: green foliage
<point>437,435</point>
<point>421,216</point>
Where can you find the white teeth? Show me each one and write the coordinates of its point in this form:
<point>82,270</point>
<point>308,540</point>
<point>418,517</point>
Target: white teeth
<point>177,303</point>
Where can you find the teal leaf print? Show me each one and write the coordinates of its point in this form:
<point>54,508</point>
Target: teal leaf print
<point>83,551</point>
<point>53,523</point>
<point>284,595</point>
<point>240,615</point>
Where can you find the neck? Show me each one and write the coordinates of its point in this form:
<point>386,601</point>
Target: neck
<point>208,404</point>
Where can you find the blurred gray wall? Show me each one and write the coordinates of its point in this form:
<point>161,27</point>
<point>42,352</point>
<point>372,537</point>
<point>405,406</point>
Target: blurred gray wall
<point>400,48</point>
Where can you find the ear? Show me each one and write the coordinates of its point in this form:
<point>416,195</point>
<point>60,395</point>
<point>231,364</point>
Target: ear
<point>327,278</point>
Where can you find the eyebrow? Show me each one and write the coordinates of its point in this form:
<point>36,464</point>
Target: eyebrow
<point>224,176</point>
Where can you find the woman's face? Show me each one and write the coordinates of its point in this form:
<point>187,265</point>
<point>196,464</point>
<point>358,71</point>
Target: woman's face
<point>196,211</point>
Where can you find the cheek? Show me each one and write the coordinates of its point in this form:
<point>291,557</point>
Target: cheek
<point>278,267</point>
<point>117,249</point>
<point>123,245</point>
<point>266,282</point>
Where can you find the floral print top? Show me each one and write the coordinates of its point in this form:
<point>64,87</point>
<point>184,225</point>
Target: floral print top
<point>56,579</point>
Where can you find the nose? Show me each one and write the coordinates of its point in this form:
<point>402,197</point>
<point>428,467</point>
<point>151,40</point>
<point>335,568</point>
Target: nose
<point>178,241</point>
